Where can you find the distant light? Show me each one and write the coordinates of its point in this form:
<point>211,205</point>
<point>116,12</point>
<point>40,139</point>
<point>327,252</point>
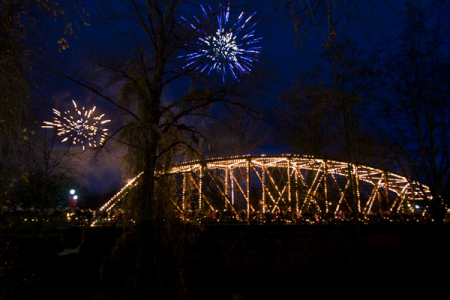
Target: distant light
<point>417,206</point>
<point>75,197</point>
<point>72,192</point>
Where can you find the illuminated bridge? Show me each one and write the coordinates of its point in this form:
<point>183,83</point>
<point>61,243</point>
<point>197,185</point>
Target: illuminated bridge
<point>243,184</point>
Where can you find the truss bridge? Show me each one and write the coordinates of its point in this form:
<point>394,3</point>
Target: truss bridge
<point>242,185</point>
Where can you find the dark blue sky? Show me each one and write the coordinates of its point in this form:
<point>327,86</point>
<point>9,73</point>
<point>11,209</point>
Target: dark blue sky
<point>289,57</point>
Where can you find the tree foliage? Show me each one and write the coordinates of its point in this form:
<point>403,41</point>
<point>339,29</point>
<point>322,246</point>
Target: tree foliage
<point>25,28</point>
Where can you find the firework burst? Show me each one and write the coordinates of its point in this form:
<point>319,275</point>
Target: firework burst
<point>79,126</point>
<point>227,47</point>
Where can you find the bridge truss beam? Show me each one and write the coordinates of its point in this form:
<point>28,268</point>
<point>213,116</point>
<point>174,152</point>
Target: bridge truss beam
<point>296,183</point>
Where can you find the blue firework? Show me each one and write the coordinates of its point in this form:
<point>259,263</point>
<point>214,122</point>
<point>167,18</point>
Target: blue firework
<point>225,47</point>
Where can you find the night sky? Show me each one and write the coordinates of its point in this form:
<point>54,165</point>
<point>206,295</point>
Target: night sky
<point>288,57</point>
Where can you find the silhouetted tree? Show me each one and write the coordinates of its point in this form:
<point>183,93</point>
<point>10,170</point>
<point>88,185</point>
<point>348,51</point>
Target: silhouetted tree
<point>234,132</point>
<point>416,106</point>
<point>24,33</point>
<point>138,76</point>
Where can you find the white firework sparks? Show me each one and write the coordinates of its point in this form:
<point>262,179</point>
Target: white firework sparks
<point>79,126</point>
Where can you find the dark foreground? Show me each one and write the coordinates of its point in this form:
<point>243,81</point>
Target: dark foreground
<point>321,262</point>
<point>278,262</point>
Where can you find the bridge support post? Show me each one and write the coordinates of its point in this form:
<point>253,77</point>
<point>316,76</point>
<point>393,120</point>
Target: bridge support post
<point>296,189</point>
<point>200,183</point>
<point>386,187</point>
<point>325,185</point>
<point>289,184</point>
<point>248,188</point>
<point>226,186</point>
<point>232,188</point>
<point>263,184</point>
<point>184,195</point>
<point>358,192</point>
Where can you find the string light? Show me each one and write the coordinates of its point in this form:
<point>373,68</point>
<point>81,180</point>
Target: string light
<point>320,169</point>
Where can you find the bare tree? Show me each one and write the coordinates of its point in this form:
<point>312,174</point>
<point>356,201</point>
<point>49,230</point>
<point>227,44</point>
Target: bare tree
<point>309,122</point>
<point>416,104</point>
<point>138,76</point>
<point>336,121</point>
<point>331,21</point>
<point>24,33</point>
<point>325,19</point>
<point>142,76</point>
<point>234,132</point>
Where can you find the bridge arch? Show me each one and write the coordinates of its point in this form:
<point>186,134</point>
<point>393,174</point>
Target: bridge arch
<point>242,184</point>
